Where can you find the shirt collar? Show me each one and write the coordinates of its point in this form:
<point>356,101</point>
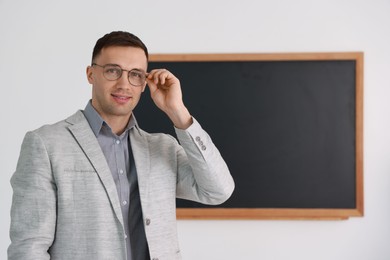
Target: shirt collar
<point>96,121</point>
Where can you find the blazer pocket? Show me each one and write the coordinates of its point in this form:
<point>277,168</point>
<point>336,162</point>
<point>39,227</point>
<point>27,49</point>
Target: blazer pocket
<point>78,165</point>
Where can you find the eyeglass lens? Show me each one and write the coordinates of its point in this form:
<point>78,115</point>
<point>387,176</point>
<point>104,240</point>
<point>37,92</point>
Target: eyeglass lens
<point>136,77</point>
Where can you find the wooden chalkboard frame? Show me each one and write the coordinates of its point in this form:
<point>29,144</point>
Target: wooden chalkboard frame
<point>285,213</point>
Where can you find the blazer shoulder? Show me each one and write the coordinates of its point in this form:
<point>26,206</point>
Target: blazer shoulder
<point>158,138</point>
<point>60,127</point>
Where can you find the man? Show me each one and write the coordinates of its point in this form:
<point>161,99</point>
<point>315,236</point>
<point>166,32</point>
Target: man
<point>96,186</point>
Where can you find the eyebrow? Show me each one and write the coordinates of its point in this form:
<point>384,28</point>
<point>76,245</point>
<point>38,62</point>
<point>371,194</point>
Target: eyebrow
<point>141,70</point>
<point>137,69</point>
<point>112,64</point>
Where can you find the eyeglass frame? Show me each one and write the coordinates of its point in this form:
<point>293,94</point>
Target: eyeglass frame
<point>122,70</point>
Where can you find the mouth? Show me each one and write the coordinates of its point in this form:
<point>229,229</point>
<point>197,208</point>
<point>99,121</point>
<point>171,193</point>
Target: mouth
<point>121,99</point>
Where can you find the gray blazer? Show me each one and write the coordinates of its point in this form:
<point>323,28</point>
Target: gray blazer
<point>65,204</point>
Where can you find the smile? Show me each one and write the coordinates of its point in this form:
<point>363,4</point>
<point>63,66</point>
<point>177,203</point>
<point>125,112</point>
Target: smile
<point>120,99</point>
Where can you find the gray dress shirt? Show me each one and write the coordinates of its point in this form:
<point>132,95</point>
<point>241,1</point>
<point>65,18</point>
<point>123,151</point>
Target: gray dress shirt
<point>118,153</point>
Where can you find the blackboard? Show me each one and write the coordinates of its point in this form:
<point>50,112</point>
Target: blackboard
<point>288,125</point>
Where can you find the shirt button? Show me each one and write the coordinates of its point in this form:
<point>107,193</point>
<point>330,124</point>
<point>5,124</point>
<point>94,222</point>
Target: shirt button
<point>125,236</point>
<point>117,142</point>
<point>147,222</point>
<point>124,202</point>
<point>121,171</point>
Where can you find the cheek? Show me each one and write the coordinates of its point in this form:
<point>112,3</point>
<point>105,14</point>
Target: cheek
<point>96,90</point>
<point>99,91</point>
<point>137,95</point>
<point>102,87</point>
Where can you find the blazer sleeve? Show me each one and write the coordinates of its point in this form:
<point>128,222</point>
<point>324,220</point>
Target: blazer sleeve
<point>33,210</point>
<point>203,175</point>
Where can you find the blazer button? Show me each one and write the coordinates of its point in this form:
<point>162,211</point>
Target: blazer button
<point>197,138</point>
<point>147,222</point>
<point>203,147</point>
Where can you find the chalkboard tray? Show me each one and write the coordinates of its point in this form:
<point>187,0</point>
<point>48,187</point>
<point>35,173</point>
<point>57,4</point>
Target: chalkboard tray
<point>290,127</point>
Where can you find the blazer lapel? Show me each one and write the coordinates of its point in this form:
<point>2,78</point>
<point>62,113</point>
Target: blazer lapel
<point>141,154</point>
<point>89,144</point>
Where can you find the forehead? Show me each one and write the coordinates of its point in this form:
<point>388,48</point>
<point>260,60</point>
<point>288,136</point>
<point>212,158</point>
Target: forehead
<point>124,56</point>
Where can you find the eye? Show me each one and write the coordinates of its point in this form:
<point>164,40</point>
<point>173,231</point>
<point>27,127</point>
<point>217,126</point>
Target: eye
<point>136,74</point>
<point>113,71</point>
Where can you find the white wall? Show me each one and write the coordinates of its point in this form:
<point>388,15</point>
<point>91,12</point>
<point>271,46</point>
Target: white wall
<point>46,45</point>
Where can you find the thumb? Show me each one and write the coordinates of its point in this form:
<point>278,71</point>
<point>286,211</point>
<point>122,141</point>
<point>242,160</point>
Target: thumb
<point>152,86</point>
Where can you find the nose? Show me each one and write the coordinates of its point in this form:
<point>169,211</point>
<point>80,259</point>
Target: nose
<point>123,81</point>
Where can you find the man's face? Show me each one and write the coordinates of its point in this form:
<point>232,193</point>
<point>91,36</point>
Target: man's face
<point>115,100</point>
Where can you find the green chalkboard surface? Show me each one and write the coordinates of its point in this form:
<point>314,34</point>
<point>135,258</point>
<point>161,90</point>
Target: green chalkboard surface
<point>288,126</point>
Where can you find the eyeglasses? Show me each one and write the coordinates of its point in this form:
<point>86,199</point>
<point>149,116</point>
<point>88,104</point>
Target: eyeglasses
<point>114,72</point>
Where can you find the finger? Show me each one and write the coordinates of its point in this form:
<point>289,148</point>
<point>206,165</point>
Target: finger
<point>152,74</point>
<point>159,76</point>
<point>152,86</point>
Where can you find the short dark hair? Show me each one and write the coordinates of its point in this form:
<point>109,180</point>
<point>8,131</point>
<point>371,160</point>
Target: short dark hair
<point>118,38</point>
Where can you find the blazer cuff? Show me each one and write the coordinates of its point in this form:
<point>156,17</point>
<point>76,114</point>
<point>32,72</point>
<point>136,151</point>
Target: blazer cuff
<point>193,134</point>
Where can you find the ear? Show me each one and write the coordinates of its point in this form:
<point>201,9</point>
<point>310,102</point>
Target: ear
<point>143,87</point>
<point>89,72</point>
